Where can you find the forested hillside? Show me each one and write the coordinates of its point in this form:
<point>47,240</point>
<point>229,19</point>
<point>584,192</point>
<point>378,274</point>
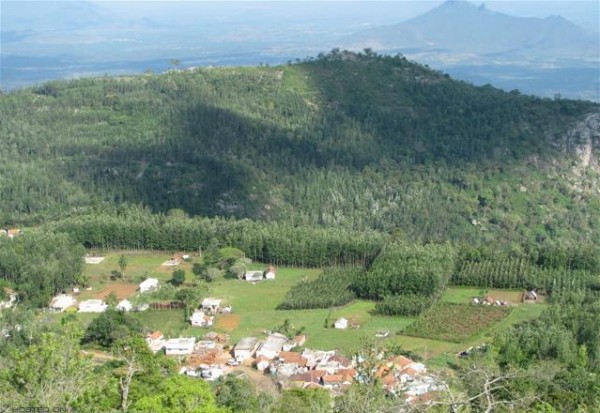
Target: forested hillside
<point>357,141</point>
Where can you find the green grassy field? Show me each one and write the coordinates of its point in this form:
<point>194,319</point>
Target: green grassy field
<point>254,309</point>
<point>139,264</point>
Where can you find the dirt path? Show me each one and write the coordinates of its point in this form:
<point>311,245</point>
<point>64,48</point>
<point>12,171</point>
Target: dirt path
<point>262,381</point>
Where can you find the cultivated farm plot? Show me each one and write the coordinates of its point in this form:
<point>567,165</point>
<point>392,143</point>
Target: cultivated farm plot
<point>456,322</point>
<point>121,290</point>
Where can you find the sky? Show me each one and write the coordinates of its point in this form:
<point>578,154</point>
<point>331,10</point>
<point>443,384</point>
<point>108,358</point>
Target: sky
<point>584,13</point>
<point>53,40</point>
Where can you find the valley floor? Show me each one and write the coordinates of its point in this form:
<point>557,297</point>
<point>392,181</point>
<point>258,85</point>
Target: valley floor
<point>254,309</point>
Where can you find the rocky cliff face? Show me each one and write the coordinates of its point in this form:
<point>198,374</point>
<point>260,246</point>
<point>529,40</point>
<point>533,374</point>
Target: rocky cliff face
<point>587,139</point>
<point>584,140</point>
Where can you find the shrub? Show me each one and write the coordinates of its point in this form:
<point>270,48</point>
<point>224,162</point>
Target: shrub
<point>406,305</point>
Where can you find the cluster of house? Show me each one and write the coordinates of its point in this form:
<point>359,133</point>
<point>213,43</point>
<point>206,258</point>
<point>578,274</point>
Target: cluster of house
<point>203,358</point>
<point>526,297</point>
<point>205,314</point>
<point>310,368</point>
<point>61,302</point>
<point>400,375</point>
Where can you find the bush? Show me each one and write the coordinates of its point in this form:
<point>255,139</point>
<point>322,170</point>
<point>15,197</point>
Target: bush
<point>110,326</point>
<point>330,289</point>
<point>406,305</point>
<point>403,268</point>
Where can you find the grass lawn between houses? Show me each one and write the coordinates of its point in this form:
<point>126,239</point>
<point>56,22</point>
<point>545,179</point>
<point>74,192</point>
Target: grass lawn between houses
<point>254,308</point>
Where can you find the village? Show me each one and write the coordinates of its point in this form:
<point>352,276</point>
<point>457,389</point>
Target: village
<point>210,344</point>
<point>278,357</point>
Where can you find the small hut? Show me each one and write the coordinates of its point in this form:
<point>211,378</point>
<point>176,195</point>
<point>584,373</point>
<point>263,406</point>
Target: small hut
<point>269,273</point>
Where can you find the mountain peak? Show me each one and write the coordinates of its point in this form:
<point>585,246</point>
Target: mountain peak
<point>467,28</point>
<point>458,4</point>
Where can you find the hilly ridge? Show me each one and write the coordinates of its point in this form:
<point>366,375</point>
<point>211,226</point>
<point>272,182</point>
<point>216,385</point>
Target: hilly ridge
<point>351,140</point>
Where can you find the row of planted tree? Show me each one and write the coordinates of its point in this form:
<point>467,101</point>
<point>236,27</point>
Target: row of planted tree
<point>403,277</point>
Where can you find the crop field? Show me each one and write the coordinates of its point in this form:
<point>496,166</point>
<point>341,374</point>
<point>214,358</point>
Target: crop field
<point>450,326</point>
<point>456,322</point>
<point>122,290</point>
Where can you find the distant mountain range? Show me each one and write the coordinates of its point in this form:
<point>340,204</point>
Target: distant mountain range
<point>46,40</point>
<point>459,31</point>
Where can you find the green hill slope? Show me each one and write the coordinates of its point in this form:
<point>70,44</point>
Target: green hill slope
<point>351,140</point>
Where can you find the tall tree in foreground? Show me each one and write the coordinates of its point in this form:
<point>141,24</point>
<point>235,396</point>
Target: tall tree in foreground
<point>179,394</point>
<point>51,373</point>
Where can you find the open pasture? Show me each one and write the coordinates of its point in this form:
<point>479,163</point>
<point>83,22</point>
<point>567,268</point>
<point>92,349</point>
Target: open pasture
<point>140,264</point>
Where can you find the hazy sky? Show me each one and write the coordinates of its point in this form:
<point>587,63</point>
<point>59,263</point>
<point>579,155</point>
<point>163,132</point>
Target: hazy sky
<point>584,13</point>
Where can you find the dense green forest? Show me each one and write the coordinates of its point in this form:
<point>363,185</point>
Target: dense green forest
<point>356,141</point>
<point>393,177</point>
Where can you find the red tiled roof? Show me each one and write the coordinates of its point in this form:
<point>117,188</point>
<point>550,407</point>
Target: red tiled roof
<point>340,359</point>
<point>389,380</point>
<point>333,378</point>
<point>382,370</point>
<point>410,371</point>
<point>291,357</point>
<point>155,335</point>
<point>401,361</point>
<point>305,377</point>
<point>349,373</point>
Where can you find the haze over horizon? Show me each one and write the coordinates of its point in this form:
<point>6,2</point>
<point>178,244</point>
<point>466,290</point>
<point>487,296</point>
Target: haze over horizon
<point>71,38</point>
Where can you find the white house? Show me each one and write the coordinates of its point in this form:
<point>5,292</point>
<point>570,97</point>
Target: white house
<point>262,363</point>
<point>272,346</point>
<point>316,357</point>
<point>92,306</point>
<point>180,346</point>
<point>62,302</point>
<point>124,305</point>
<point>156,341</point>
<point>206,345</point>
<point>296,341</point>
<point>199,319</point>
<point>211,373</point>
<point>341,323</point>
<point>148,285</point>
<point>245,348</point>
<point>211,305</point>
<point>253,276</point>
